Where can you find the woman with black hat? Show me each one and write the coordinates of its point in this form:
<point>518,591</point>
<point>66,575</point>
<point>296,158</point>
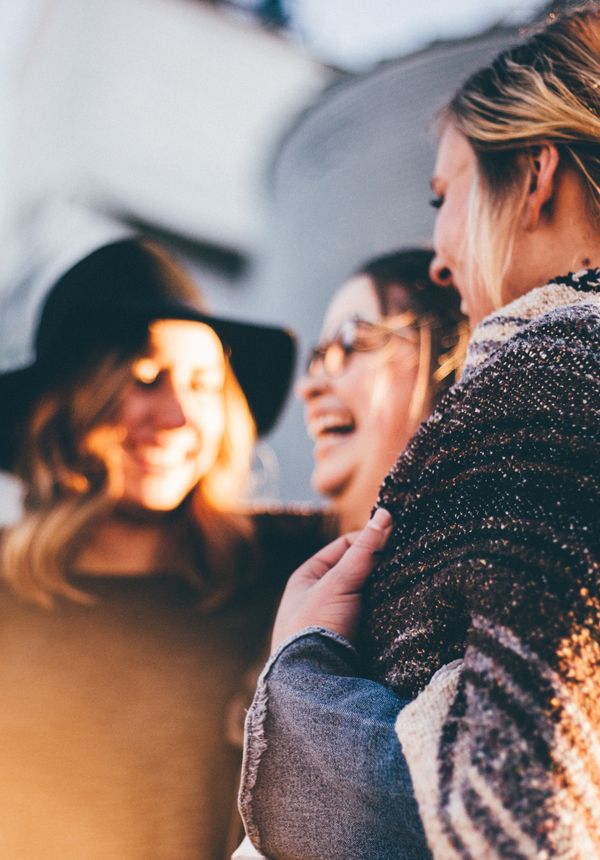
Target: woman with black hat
<point>136,592</point>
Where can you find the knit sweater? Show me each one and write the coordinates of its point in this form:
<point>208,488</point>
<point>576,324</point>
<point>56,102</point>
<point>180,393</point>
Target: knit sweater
<point>495,559</point>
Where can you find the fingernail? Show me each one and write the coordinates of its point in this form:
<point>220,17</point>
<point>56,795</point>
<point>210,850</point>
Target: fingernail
<point>381,519</point>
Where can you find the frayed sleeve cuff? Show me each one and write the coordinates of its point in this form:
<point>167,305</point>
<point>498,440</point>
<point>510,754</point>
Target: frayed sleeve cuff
<point>255,742</point>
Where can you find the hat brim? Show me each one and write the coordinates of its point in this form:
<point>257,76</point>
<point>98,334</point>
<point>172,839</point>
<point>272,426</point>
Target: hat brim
<point>262,358</point>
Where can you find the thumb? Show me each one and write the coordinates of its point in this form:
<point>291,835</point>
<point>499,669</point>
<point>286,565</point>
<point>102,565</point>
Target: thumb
<point>376,532</point>
<point>353,569</point>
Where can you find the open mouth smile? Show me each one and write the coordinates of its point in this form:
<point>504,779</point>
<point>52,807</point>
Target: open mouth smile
<point>331,424</point>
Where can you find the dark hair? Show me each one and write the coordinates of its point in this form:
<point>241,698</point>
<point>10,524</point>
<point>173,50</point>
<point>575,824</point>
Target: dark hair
<point>402,283</point>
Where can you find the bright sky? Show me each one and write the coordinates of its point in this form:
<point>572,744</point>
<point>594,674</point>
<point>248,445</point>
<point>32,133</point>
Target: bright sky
<point>357,33</point>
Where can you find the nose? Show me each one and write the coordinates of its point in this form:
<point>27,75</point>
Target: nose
<point>439,272</point>
<point>169,408</point>
<point>310,385</point>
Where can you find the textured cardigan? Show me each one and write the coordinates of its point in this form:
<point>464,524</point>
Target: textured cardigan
<point>495,559</point>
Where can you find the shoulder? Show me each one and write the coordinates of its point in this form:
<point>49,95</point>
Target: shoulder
<point>287,535</point>
<point>534,355</point>
<point>558,323</point>
<point>532,383</point>
<point>569,334</point>
<point>298,522</point>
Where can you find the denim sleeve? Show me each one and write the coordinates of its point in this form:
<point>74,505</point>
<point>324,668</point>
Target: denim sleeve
<point>324,775</point>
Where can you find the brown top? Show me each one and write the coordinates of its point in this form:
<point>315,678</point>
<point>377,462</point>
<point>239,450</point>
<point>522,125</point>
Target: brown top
<point>114,717</point>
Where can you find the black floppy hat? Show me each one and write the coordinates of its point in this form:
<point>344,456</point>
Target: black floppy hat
<point>107,300</point>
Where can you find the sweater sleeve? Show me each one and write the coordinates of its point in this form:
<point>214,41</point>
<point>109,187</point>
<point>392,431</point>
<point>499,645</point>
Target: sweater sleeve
<point>512,750</point>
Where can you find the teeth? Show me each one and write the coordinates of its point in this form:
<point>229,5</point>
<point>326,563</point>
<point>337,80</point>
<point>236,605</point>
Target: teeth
<point>328,423</point>
<point>160,458</point>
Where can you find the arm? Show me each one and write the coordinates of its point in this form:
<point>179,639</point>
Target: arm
<point>497,513</point>
<point>516,771</point>
<point>323,773</point>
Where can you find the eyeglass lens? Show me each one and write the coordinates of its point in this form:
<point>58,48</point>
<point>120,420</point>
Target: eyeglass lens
<point>355,335</point>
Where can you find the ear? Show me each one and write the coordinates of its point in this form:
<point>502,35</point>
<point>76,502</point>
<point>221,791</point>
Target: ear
<point>543,162</point>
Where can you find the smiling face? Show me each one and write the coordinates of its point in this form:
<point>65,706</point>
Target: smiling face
<point>453,180</point>
<point>170,418</point>
<point>359,418</point>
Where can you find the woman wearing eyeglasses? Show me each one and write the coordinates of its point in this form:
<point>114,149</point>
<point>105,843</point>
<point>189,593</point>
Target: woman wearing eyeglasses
<point>391,344</point>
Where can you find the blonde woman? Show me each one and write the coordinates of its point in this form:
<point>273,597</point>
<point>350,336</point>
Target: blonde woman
<point>481,620</point>
<point>392,342</point>
<point>136,591</point>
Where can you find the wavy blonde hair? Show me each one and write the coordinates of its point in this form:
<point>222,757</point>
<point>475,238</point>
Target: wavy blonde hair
<point>66,492</point>
<point>544,90</point>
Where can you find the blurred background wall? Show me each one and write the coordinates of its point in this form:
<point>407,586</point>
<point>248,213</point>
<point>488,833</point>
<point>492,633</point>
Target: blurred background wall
<point>272,146</point>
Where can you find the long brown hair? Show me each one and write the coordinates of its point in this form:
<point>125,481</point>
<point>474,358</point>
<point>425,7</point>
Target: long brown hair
<point>66,491</point>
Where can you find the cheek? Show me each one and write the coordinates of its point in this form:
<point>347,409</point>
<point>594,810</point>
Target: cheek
<point>213,417</point>
<point>359,388</point>
<point>438,234</point>
<point>391,405</point>
<point>132,412</point>
<point>440,228</point>
<point>448,233</point>
<point>208,417</point>
<point>391,385</point>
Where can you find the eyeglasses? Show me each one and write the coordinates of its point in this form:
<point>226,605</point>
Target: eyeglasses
<point>359,335</point>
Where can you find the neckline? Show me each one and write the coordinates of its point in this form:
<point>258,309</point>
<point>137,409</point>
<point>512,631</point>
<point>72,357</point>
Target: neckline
<point>495,330</point>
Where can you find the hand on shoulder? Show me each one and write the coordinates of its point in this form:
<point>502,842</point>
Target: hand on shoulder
<point>325,590</point>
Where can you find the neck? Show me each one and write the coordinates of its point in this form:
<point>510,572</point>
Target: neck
<point>123,545</point>
<point>566,239</point>
<point>352,511</point>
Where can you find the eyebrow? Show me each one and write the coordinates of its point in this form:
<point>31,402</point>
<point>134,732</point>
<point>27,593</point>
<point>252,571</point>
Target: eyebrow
<point>207,372</point>
<point>203,371</point>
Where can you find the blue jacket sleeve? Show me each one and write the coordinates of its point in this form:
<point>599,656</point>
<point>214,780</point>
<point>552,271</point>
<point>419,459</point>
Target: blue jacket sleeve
<point>324,775</point>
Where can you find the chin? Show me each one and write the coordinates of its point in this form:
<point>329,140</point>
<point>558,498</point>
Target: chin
<point>328,485</point>
<point>161,505</point>
<point>160,493</point>
<point>146,509</point>
<point>158,500</point>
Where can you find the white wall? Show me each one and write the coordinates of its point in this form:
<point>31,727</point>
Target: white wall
<point>165,109</point>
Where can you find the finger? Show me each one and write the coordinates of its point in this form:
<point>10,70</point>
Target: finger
<point>318,564</point>
<point>358,561</point>
<point>375,533</point>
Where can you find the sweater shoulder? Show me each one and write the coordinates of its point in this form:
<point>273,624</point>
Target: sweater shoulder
<point>288,535</point>
<point>548,319</point>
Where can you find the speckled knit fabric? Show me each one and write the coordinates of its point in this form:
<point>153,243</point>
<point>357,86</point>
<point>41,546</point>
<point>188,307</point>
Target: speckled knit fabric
<point>495,558</point>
